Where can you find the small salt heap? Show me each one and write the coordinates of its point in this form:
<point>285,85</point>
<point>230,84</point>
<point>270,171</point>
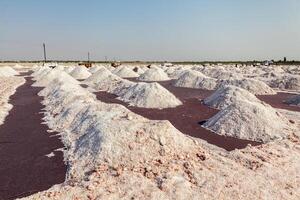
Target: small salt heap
<point>125,72</point>
<point>7,71</point>
<point>287,82</point>
<point>43,79</point>
<point>95,68</point>
<point>154,74</point>
<point>252,85</point>
<point>149,95</point>
<point>80,72</point>
<point>104,80</point>
<point>195,79</point>
<point>251,121</point>
<point>69,69</point>
<point>228,95</point>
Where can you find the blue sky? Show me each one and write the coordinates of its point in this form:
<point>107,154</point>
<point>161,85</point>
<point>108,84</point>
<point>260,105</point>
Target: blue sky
<point>150,30</point>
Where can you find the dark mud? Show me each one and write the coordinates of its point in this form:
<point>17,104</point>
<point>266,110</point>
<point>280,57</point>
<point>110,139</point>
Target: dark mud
<point>24,143</point>
<point>278,101</point>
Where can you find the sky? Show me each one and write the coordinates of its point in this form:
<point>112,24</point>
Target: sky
<point>164,30</point>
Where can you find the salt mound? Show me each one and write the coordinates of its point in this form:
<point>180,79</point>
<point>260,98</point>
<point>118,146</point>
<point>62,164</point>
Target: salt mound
<point>254,86</point>
<point>94,131</point>
<point>125,72</point>
<point>149,95</point>
<point>175,74</point>
<point>80,72</point>
<point>98,76</point>
<point>225,96</point>
<point>170,70</point>
<point>138,70</point>
<point>17,66</point>
<point>227,75</point>
<point>69,69</point>
<point>154,74</point>
<point>292,69</point>
<point>251,121</point>
<point>195,79</point>
<point>287,82</point>
<point>60,67</point>
<point>8,86</point>
<point>153,66</point>
<point>7,71</point>
<point>221,73</point>
<point>294,100</point>
<point>40,71</point>
<point>104,80</point>
<point>48,76</point>
<point>95,68</point>
<point>110,68</point>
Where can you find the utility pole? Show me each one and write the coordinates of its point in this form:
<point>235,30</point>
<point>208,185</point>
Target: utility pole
<point>88,57</point>
<point>45,57</point>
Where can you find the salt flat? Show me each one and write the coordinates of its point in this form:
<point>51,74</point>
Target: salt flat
<point>114,153</point>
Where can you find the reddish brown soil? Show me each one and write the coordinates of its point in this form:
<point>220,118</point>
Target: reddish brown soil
<point>187,118</point>
<point>24,142</point>
<point>278,101</point>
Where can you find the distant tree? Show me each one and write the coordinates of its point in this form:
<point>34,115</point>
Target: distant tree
<point>284,59</point>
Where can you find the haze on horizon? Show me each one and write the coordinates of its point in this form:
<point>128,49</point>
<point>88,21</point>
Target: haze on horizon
<point>191,30</point>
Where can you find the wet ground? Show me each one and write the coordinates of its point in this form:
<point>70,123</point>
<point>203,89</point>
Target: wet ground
<point>187,118</point>
<point>24,143</point>
<point>278,101</point>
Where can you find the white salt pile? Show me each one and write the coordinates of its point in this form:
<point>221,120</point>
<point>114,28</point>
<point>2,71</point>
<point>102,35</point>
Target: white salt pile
<point>125,72</point>
<point>7,72</point>
<point>18,66</point>
<point>99,76</point>
<point>252,85</point>
<point>154,74</point>
<point>8,86</point>
<point>80,72</point>
<point>225,96</point>
<point>104,127</point>
<point>221,73</point>
<point>69,69</point>
<point>138,70</point>
<point>294,100</point>
<point>39,71</point>
<point>34,67</point>
<point>110,68</point>
<point>43,79</point>
<point>197,68</point>
<point>175,73</point>
<point>153,66</point>
<point>292,69</point>
<point>195,79</point>
<point>104,80</point>
<point>60,67</point>
<point>95,68</point>
<point>287,82</point>
<point>251,121</point>
<point>170,70</point>
<point>149,95</point>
